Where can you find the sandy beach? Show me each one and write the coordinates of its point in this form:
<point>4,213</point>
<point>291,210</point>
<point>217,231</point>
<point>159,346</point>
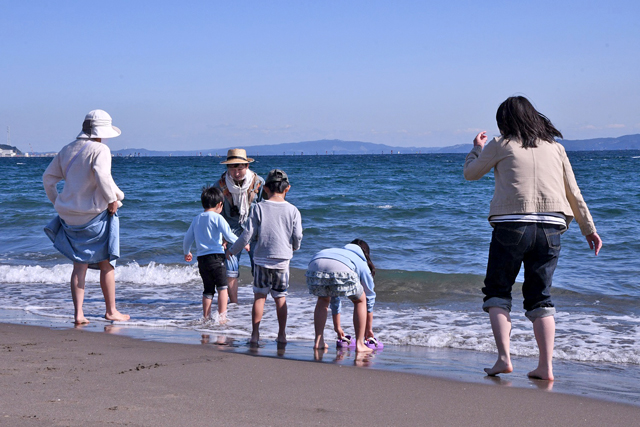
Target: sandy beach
<point>74,377</point>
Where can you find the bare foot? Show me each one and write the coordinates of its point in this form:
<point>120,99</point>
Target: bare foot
<point>362,349</point>
<point>541,374</point>
<point>222,318</point>
<point>117,316</point>
<point>319,344</point>
<point>81,321</point>
<point>282,339</point>
<point>501,367</point>
<point>255,337</point>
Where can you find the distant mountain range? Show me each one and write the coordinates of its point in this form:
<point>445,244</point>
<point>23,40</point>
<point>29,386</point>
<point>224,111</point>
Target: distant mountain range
<point>337,146</point>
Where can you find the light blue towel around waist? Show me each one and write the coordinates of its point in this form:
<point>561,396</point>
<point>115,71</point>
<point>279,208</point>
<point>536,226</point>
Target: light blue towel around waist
<point>90,243</point>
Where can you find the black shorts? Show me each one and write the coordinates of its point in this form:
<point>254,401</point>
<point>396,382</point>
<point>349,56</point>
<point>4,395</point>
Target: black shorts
<point>213,273</point>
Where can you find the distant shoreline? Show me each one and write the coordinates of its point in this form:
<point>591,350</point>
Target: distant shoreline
<point>340,147</point>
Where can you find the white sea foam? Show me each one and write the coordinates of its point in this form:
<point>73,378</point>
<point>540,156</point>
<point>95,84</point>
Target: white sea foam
<point>162,296</point>
<point>385,207</point>
<point>151,274</point>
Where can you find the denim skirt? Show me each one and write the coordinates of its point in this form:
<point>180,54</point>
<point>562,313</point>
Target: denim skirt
<point>97,240</point>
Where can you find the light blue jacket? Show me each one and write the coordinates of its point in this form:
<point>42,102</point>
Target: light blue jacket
<point>353,257</point>
<point>208,229</point>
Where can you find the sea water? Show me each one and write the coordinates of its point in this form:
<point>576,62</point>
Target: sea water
<point>426,226</point>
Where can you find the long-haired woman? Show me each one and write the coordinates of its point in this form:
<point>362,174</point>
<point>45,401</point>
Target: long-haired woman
<point>536,197</point>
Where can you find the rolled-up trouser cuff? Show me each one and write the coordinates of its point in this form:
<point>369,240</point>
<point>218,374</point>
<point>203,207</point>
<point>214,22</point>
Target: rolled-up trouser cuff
<point>497,302</point>
<point>207,296</point>
<point>233,266</point>
<point>370,303</point>
<point>539,312</point>
<point>336,306</point>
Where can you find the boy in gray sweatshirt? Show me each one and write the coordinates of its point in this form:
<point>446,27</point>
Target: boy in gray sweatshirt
<point>278,227</point>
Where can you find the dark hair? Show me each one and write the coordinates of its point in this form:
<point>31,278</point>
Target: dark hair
<point>211,197</point>
<point>518,119</point>
<point>277,186</point>
<point>365,249</point>
<point>86,127</point>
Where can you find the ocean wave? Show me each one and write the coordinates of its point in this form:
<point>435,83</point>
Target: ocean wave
<point>152,274</point>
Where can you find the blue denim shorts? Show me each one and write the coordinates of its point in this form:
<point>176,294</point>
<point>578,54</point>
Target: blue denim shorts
<point>537,245</point>
<point>233,264</point>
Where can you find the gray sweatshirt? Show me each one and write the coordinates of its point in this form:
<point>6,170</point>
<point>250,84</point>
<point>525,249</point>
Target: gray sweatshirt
<point>278,227</point>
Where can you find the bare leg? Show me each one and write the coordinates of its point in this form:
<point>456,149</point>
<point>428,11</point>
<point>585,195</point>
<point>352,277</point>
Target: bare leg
<point>256,316</point>
<point>320,319</point>
<point>77,292</point>
<point>233,289</point>
<point>206,307</point>
<point>336,324</point>
<point>223,297</point>
<point>501,326</point>
<point>281,312</point>
<point>360,323</point>
<point>108,285</point>
<point>544,328</point>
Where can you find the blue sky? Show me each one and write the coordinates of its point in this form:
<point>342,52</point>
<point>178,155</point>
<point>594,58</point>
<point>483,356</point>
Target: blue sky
<point>214,74</point>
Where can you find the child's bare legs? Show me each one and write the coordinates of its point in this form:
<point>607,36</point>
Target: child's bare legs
<point>281,311</point>
<point>233,290</point>
<point>501,326</point>
<point>360,323</point>
<point>256,316</point>
<point>108,285</point>
<point>223,298</point>
<point>544,328</point>
<point>77,291</point>
<point>206,307</point>
<point>320,319</point>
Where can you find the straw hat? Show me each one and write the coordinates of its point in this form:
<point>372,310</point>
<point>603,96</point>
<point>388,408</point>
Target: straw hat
<point>97,124</point>
<point>237,155</point>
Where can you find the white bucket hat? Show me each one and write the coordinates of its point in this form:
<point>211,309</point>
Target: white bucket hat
<point>97,124</point>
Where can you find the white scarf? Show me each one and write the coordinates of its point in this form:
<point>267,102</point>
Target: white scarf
<point>240,193</point>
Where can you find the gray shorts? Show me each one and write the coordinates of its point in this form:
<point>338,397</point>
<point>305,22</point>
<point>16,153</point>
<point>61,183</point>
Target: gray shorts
<point>270,279</point>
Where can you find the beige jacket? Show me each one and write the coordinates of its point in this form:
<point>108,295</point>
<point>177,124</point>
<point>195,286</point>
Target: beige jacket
<point>88,185</point>
<point>529,180</point>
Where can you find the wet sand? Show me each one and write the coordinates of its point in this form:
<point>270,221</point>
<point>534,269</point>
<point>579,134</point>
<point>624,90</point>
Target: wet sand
<point>74,377</point>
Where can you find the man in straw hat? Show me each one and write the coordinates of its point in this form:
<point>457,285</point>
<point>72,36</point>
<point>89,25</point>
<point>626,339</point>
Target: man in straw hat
<point>242,189</point>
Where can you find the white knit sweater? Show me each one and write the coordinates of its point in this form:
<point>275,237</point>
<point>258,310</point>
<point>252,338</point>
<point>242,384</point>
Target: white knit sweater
<point>88,185</point>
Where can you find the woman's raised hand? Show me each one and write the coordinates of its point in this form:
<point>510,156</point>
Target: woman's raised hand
<point>481,139</point>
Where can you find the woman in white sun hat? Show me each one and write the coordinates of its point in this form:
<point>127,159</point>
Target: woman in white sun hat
<point>86,229</point>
